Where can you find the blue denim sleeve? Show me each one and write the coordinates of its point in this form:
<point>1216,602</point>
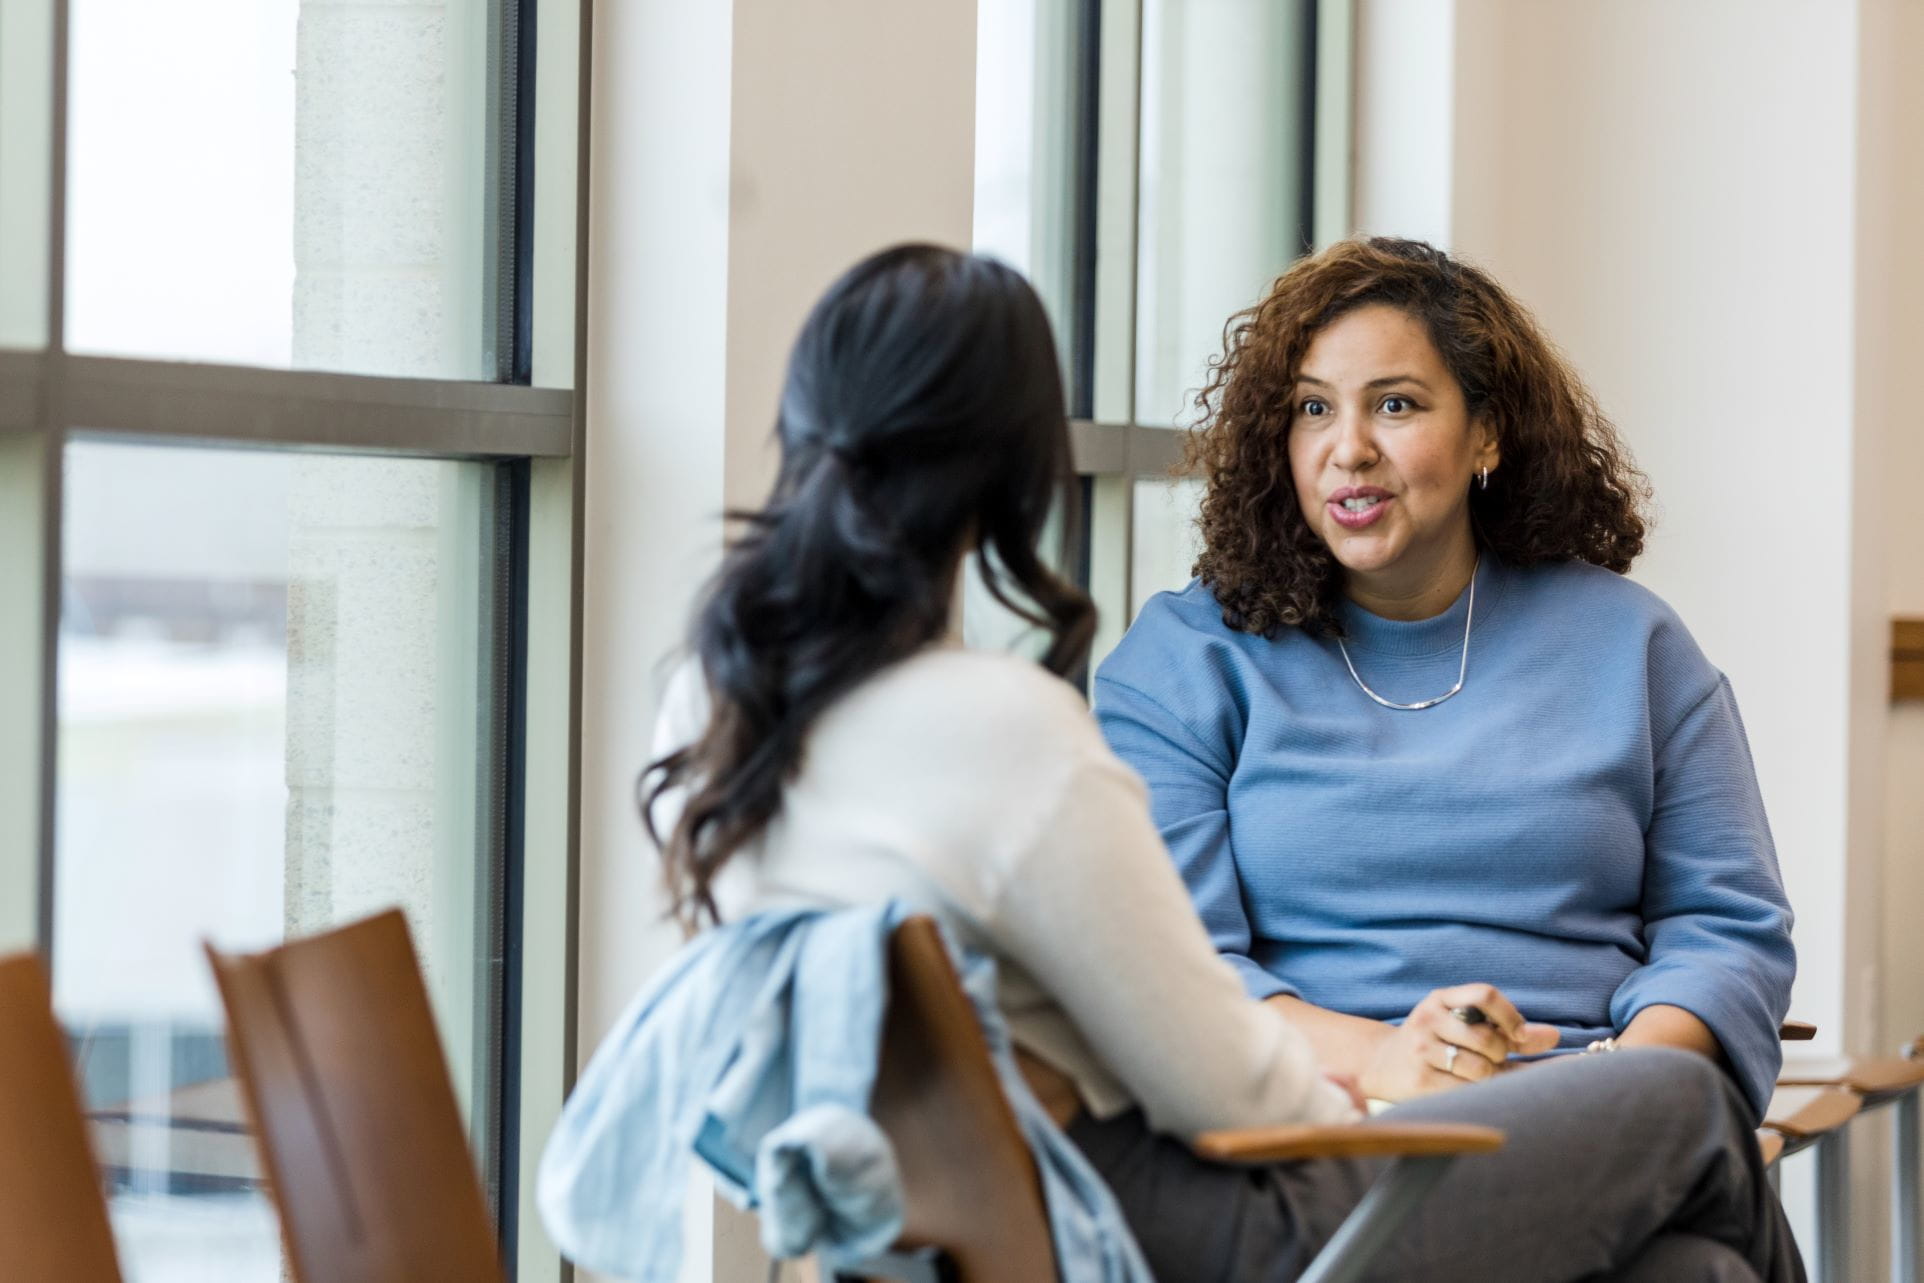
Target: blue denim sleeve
<point>1188,784</point>
<point>1716,920</point>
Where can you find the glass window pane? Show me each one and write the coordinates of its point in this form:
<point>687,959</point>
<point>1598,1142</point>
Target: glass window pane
<point>1166,540</point>
<point>281,182</point>
<point>23,530</point>
<point>989,625</point>
<point>26,133</point>
<point>274,715</point>
<point>1225,137</point>
<point>1027,162</point>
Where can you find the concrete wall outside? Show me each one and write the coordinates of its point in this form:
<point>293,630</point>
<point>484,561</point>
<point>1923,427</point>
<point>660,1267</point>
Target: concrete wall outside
<point>386,564</point>
<point>389,187</point>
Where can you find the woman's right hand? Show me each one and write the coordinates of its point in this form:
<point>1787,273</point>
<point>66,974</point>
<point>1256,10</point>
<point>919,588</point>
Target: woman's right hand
<point>1416,1057</point>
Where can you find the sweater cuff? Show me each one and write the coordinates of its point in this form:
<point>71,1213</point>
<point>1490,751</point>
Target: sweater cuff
<point>1258,983</point>
<point>1731,1007</point>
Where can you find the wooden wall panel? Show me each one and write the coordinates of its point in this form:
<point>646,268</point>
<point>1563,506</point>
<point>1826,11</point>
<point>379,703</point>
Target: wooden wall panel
<point>1907,659</point>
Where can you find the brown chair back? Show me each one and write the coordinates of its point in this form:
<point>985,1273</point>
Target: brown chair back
<point>342,1072</point>
<point>53,1218</point>
<point>968,1178</point>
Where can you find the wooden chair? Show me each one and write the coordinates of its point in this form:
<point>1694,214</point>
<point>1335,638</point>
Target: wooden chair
<point>1874,1082</point>
<point>974,1208</point>
<point>1816,1117</point>
<point>53,1217</point>
<point>343,1077</point>
<point>1803,1116</point>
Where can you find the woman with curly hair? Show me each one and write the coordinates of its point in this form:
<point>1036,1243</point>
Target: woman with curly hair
<point>1444,786</point>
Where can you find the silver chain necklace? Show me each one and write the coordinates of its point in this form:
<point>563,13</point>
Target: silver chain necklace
<point>1469,616</point>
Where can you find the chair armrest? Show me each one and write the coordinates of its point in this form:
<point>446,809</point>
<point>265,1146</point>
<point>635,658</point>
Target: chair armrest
<point>1802,1113</point>
<point>1345,1140</point>
<point>1865,1075</point>
<point>1770,1144</point>
<point>1796,1031</point>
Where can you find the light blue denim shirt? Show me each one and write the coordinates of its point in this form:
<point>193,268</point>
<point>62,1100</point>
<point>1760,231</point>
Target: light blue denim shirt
<point>756,1050</point>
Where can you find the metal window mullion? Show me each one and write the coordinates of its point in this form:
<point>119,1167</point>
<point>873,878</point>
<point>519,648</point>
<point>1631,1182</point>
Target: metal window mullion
<point>22,391</point>
<point>246,406</point>
<point>500,268</point>
<point>53,411</point>
<point>1308,171</point>
<point>1085,131</point>
<point>505,862</point>
<point>547,965</point>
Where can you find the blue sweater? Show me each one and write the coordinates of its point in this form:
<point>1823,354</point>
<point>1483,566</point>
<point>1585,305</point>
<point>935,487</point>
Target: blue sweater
<point>1580,827</point>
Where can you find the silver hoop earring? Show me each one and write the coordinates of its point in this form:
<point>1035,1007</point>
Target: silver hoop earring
<point>1486,478</point>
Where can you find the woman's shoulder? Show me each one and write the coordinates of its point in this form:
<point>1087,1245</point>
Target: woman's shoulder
<point>1191,609</point>
<point>1620,599</point>
<point>1174,631</point>
<point>1604,611</point>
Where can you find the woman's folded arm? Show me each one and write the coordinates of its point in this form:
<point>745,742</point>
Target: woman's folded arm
<point>1188,781</point>
<point>1716,920</point>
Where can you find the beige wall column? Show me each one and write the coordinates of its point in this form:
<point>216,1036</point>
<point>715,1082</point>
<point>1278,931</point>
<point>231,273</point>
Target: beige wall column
<point>1890,335</point>
<point>1405,109</point>
<point>853,128</point>
<point>744,154</point>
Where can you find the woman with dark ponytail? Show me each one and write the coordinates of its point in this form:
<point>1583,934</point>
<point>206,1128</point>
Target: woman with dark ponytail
<point>829,743</point>
<point>922,414</point>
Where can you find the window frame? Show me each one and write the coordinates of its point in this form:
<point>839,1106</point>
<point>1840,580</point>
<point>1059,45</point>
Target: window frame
<point>535,434</point>
<point>1112,447</point>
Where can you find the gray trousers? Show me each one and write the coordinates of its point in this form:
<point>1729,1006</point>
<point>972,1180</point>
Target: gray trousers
<point>1637,1165</point>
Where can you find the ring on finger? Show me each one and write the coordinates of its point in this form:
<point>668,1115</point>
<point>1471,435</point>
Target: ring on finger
<point>1449,1057</point>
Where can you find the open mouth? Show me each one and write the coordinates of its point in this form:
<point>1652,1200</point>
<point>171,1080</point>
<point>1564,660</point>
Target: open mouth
<point>1355,507</point>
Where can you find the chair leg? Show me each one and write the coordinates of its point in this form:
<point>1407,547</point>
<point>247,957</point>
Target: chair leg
<point>1904,1188</point>
<point>1834,1207</point>
<point>1376,1219</point>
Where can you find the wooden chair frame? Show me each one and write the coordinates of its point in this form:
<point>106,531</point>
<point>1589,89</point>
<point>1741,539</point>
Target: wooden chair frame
<point>53,1215</point>
<point>344,1080</point>
<point>974,1200</point>
<point>1869,1083</point>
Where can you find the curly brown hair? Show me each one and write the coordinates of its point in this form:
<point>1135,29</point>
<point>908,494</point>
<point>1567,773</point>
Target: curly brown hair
<point>1568,490</point>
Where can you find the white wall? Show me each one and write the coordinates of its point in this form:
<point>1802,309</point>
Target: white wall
<point>1708,206</point>
<point>1623,169</point>
<point>656,330</point>
<point>743,156</point>
<point>1673,189</point>
<point>1405,104</point>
